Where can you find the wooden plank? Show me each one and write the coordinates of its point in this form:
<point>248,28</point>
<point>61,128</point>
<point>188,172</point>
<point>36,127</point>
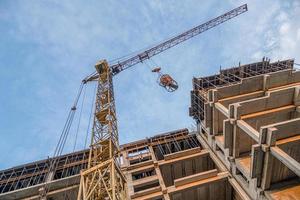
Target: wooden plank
<point>141,164</point>
<point>287,141</point>
<point>151,196</point>
<point>141,169</point>
<point>244,165</point>
<point>182,153</point>
<point>222,176</point>
<point>195,177</point>
<point>270,111</point>
<point>203,152</point>
<point>284,190</point>
<point>285,86</point>
<point>149,191</point>
<point>241,96</point>
<point>286,160</point>
<point>220,141</point>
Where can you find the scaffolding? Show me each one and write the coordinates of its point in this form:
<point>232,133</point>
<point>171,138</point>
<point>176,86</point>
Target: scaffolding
<point>199,94</point>
<point>35,173</point>
<point>250,117</point>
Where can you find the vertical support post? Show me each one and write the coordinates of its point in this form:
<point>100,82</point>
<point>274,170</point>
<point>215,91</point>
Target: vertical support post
<point>268,158</point>
<point>236,141</point>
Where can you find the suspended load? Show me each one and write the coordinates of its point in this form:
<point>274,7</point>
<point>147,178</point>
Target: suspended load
<point>165,80</point>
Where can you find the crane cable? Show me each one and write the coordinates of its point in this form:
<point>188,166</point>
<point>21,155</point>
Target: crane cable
<point>90,117</point>
<point>76,137</point>
<point>147,65</point>
<point>153,62</point>
<point>79,118</point>
<point>62,141</point>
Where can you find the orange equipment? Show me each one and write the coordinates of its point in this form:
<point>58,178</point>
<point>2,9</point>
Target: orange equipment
<point>165,80</point>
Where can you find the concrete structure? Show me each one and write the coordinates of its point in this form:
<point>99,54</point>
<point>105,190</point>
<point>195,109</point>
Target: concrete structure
<point>175,165</point>
<point>249,116</point>
<point>246,146</point>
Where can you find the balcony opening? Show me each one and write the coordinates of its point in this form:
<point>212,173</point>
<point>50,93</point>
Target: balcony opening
<point>143,174</point>
<point>146,186</point>
<point>174,145</point>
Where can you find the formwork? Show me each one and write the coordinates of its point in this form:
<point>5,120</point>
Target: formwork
<point>174,165</point>
<point>249,116</point>
<point>177,166</point>
<point>246,146</point>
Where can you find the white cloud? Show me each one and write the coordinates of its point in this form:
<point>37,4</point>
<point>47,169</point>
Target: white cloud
<point>284,29</point>
<point>282,17</point>
<point>298,34</point>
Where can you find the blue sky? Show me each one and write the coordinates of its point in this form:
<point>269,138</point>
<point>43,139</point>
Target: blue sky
<point>48,47</point>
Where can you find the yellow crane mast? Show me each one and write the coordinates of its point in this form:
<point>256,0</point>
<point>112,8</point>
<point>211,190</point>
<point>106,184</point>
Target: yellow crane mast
<point>103,179</point>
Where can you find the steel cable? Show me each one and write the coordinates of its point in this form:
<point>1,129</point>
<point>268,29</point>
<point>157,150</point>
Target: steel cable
<point>75,140</point>
<point>62,141</point>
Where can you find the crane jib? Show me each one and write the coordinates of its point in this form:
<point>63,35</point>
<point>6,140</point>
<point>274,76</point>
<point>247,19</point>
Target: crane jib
<point>125,64</point>
<point>122,65</point>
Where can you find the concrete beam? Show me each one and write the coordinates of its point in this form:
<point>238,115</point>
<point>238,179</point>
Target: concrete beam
<point>254,134</point>
<point>285,129</point>
<point>203,152</point>
<point>222,109</point>
<point>182,153</point>
<point>288,161</point>
<point>272,100</point>
<point>149,191</point>
<point>237,188</point>
<point>276,80</point>
<point>220,177</point>
<point>195,177</point>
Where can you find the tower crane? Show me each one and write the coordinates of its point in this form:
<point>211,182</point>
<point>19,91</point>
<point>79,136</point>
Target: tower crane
<point>103,178</point>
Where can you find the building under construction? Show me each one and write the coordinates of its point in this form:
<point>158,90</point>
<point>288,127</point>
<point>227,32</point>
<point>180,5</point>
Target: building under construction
<point>246,146</point>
